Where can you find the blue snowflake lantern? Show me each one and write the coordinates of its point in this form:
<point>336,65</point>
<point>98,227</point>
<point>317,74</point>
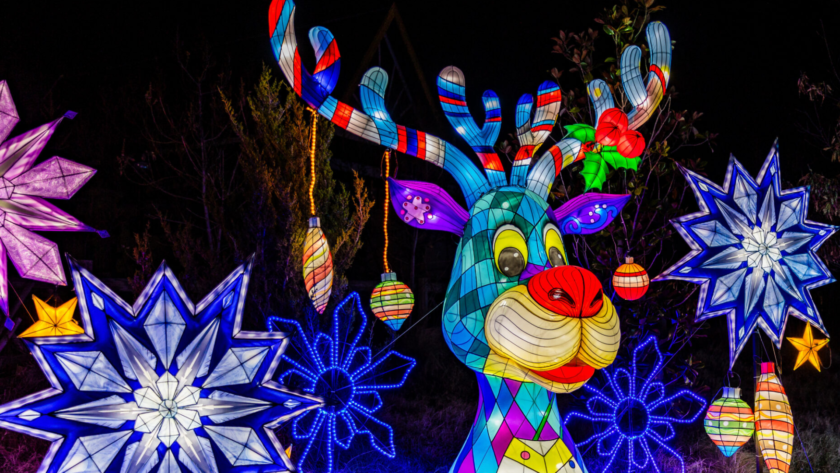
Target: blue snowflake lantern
<point>348,377</point>
<point>634,414</point>
<point>163,385</point>
<point>753,251</point>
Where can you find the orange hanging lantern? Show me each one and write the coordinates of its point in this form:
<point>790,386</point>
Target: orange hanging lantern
<point>773,421</point>
<point>391,301</point>
<point>630,280</point>
<point>317,260</point>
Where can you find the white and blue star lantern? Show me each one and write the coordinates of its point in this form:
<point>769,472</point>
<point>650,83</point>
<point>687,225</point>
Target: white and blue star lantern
<point>163,385</point>
<point>753,251</point>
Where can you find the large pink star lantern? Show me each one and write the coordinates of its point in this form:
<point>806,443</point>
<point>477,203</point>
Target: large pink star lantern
<point>22,207</point>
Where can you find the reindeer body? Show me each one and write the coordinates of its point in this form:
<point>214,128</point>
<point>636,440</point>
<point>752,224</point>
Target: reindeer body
<point>529,324</point>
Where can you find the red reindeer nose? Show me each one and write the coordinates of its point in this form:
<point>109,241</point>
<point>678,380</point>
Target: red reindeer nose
<point>567,290</point>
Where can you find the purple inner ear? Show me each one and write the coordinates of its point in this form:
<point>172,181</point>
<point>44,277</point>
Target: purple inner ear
<point>589,213</point>
<point>427,206</point>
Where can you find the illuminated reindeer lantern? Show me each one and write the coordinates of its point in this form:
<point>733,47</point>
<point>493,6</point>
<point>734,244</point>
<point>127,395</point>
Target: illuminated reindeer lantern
<point>516,313</point>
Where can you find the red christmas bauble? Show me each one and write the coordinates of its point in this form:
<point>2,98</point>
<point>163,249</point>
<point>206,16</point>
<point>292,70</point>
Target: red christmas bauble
<point>630,280</point>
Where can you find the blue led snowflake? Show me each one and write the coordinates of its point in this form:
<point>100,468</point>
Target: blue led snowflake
<point>162,385</point>
<point>753,251</point>
<point>635,413</point>
<point>348,378</point>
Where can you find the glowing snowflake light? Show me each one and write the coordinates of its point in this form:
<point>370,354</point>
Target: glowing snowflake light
<point>753,251</point>
<point>162,383</point>
<point>636,413</point>
<point>348,377</point>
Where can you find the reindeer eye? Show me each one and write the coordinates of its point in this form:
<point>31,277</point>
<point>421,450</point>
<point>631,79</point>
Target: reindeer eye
<point>554,246</point>
<point>510,251</point>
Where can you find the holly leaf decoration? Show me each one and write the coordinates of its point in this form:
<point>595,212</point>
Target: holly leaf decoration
<point>594,171</point>
<point>617,161</point>
<point>581,132</point>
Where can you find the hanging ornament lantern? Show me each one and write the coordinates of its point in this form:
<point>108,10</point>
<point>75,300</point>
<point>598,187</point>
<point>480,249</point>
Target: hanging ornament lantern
<point>630,280</point>
<point>391,300</point>
<point>317,260</point>
<point>729,421</point>
<point>317,265</point>
<point>773,421</point>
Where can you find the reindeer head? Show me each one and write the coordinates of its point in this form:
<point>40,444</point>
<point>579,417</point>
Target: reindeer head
<point>514,306</point>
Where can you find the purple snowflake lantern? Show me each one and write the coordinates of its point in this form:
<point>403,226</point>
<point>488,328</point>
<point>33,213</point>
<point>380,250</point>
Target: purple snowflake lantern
<point>22,207</point>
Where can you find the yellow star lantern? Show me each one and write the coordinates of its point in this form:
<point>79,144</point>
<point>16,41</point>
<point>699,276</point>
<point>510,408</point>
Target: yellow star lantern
<point>53,321</point>
<point>808,348</point>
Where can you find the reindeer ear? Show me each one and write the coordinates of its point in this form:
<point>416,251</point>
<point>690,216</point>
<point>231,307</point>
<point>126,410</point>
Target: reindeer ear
<point>589,213</point>
<point>427,206</point>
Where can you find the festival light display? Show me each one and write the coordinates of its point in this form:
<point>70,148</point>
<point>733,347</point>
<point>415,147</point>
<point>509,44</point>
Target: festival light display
<point>53,321</point>
<point>511,251</point>
<point>22,205</point>
<point>161,382</point>
<point>773,421</point>
<point>317,259</point>
<point>729,421</point>
<point>808,348</point>
<point>630,280</point>
<point>345,373</point>
<point>636,413</point>
<point>753,251</point>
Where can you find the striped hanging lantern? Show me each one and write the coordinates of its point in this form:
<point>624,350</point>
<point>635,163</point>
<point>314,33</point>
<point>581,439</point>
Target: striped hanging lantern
<point>392,301</point>
<point>773,420</point>
<point>317,265</point>
<point>730,421</point>
<point>630,280</point>
<point>317,259</point>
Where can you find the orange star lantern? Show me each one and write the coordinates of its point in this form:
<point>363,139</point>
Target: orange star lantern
<point>630,280</point>
<point>808,348</point>
<point>53,321</point>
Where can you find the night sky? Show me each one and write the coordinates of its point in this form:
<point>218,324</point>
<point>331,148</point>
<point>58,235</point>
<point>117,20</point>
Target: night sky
<point>736,61</point>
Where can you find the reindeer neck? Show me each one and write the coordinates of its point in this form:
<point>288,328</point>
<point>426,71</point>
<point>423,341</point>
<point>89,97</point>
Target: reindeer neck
<point>509,413</point>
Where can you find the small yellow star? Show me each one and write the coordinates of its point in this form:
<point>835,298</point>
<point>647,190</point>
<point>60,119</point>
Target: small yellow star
<point>53,321</point>
<point>808,348</point>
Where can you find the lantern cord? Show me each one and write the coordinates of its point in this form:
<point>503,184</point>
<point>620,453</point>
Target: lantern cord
<point>387,158</point>
<point>313,135</point>
<point>407,330</point>
<point>729,374</point>
<point>21,302</point>
<point>802,444</point>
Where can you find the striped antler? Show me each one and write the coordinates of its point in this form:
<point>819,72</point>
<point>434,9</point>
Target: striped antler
<point>644,99</point>
<point>532,134</point>
<point>451,90</point>
<point>375,125</point>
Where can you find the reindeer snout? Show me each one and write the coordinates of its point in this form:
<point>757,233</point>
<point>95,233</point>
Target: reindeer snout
<point>567,290</point>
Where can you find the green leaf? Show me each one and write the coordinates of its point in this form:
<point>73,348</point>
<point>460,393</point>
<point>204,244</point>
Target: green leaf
<point>581,132</point>
<point>617,161</point>
<point>594,171</point>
